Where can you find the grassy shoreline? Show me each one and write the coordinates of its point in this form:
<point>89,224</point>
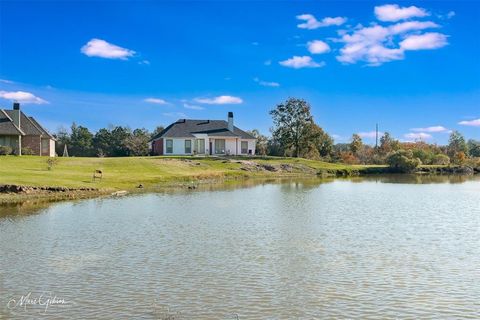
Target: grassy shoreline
<point>151,172</point>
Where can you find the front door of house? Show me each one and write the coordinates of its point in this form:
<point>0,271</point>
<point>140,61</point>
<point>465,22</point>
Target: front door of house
<point>210,149</point>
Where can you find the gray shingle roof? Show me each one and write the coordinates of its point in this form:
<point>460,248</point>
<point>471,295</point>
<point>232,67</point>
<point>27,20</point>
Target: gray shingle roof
<point>42,129</point>
<point>26,124</point>
<point>186,128</point>
<point>7,127</point>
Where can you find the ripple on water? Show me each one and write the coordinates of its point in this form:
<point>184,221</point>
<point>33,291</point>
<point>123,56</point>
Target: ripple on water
<point>338,250</point>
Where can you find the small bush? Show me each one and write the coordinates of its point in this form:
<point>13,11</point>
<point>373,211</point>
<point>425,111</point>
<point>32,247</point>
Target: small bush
<point>51,162</point>
<point>403,161</point>
<point>5,150</point>
<point>27,151</point>
<point>441,159</point>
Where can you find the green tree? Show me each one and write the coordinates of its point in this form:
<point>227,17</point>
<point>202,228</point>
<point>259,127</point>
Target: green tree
<point>102,143</point>
<point>388,144</point>
<point>473,148</point>
<point>261,146</point>
<point>81,141</point>
<point>119,137</point>
<point>157,130</point>
<point>63,138</point>
<point>456,144</point>
<point>292,121</point>
<point>316,143</point>
<point>403,161</point>
<point>137,142</point>
<point>356,145</point>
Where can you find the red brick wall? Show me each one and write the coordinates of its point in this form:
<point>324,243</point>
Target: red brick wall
<point>32,142</point>
<point>157,147</point>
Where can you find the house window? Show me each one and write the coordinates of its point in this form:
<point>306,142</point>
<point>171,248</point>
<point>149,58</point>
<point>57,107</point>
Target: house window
<point>200,146</point>
<point>244,147</point>
<point>219,146</point>
<point>188,146</point>
<point>169,144</point>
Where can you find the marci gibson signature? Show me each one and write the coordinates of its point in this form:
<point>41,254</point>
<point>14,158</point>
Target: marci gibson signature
<point>44,300</point>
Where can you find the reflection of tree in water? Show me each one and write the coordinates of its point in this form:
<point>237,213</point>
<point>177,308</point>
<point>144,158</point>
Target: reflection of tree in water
<point>418,179</point>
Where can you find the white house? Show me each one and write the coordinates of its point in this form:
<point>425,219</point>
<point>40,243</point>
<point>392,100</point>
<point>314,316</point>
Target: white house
<point>203,137</point>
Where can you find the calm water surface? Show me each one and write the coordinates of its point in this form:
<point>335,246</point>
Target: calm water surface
<point>373,249</point>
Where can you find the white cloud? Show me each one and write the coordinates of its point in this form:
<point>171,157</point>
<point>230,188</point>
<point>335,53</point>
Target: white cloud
<point>192,107</point>
<point>392,12</point>
<point>266,83</point>
<point>451,14</point>
<point>301,62</point>
<point>418,136</point>
<point>318,47</point>
<point>376,44</point>
<point>22,96</point>
<point>472,123</point>
<point>407,26</point>
<point>220,100</point>
<point>312,23</point>
<point>103,49</point>
<point>370,134</point>
<point>6,81</point>
<point>155,100</point>
<point>144,62</point>
<point>368,44</point>
<point>431,129</point>
<point>426,41</point>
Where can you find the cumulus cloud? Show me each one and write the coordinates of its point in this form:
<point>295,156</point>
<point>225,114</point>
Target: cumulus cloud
<point>22,97</point>
<point>192,107</point>
<point>393,12</point>
<point>312,23</point>
<point>472,123</point>
<point>418,136</point>
<point>427,41</point>
<point>266,83</point>
<point>155,100</point>
<point>297,62</point>
<point>220,100</point>
<point>407,26</point>
<point>103,49</point>
<point>376,44</point>
<point>433,129</point>
<point>318,47</point>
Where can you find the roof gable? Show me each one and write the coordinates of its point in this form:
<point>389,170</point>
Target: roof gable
<point>7,127</point>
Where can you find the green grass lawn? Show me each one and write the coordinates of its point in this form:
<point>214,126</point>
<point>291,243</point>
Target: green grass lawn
<point>129,172</point>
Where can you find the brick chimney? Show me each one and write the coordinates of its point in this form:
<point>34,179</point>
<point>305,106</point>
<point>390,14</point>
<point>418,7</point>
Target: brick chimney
<point>230,121</point>
<point>16,114</point>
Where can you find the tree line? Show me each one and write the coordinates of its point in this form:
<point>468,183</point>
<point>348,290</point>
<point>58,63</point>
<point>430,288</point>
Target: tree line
<point>294,134</point>
<point>107,142</point>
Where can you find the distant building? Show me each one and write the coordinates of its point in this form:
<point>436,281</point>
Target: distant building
<point>203,137</point>
<point>18,131</point>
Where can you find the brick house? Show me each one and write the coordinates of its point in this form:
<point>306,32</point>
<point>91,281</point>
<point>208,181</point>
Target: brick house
<point>17,130</point>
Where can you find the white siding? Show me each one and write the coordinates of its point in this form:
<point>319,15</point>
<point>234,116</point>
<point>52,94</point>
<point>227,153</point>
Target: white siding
<point>52,148</point>
<point>178,146</point>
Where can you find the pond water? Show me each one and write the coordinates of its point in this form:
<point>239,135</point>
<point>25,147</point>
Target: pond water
<point>387,247</point>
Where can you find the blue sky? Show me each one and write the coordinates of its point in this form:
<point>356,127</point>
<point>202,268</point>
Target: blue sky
<point>412,67</point>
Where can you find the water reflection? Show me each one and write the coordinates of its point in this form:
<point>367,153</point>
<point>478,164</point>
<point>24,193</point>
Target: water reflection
<point>344,248</point>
